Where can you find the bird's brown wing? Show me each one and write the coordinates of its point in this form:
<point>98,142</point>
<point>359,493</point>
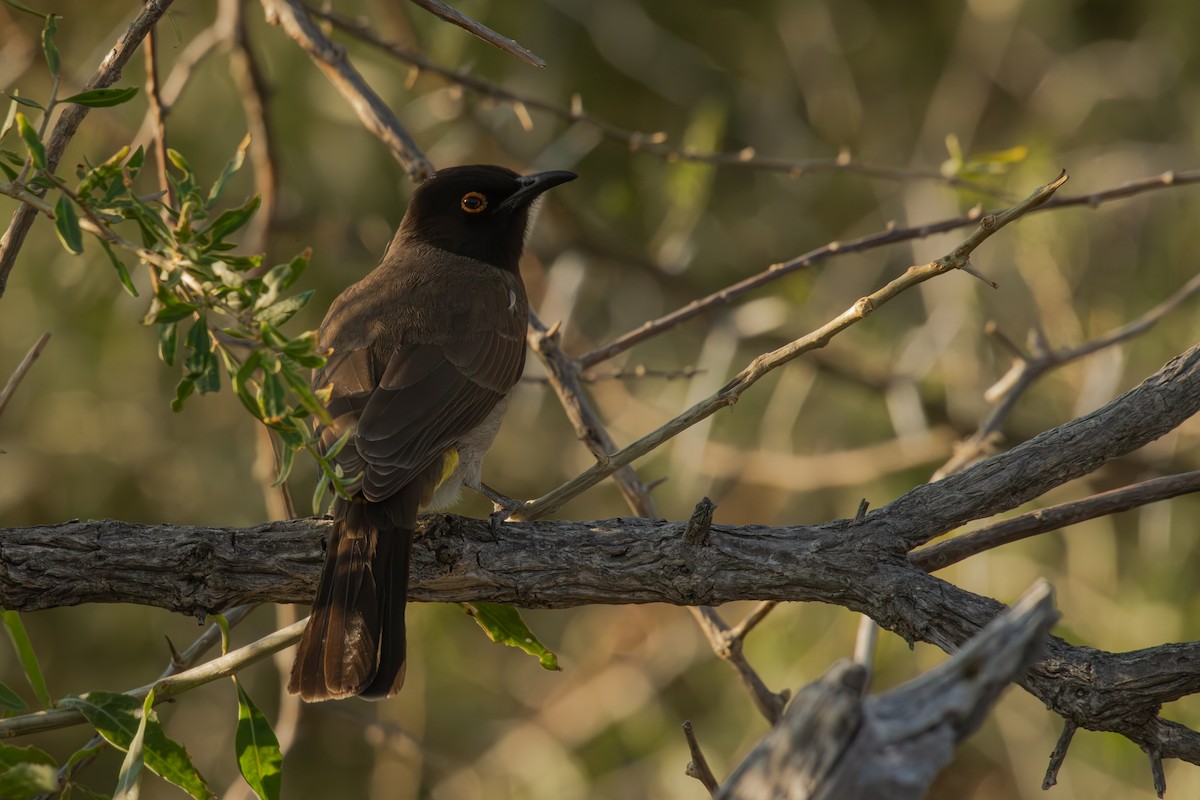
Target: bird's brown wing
<point>411,400</point>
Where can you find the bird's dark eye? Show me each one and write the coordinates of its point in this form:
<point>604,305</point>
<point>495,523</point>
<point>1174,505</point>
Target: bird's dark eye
<point>473,202</point>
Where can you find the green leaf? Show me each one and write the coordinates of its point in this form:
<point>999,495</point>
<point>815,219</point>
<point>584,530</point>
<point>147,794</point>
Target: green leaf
<point>66,223</point>
<point>12,158</point>
<point>122,272</point>
<point>303,390</point>
<point>287,459</point>
<point>74,791</point>
<point>82,753</point>
<point>25,101</point>
<point>135,161</point>
<point>258,753</point>
<point>28,781</point>
<point>182,392</point>
<point>48,46</point>
<point>10,700</point>
<point>167,335</point>
<point>504,625</point>
<point>235,163</point>
<point>179,161</point>
<point>9,171</point>
<point>102,174</point>
<point>173,309</point>
<point>116,718</point>
<point>11,755</point>
<point>28,659</point>
<point>200,343</point>
<point>272,398</point>
<point>129,779</point>
<point>25,8</point>
<point>26,772</point>
<point>103,98</point>
<point>285,309</point>
<point>32,143</point>
<point>229,221</point>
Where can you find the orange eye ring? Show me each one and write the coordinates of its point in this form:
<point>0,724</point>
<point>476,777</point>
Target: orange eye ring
<point>473,202</point>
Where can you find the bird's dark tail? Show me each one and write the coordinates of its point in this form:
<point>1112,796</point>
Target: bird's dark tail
<point>354,642</point>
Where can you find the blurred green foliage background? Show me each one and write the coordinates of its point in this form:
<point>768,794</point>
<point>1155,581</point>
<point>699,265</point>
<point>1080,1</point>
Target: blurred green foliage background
<point>1108,90</point>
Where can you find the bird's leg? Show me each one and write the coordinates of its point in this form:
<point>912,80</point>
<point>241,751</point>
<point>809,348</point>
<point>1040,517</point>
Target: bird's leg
<point>502,505</point>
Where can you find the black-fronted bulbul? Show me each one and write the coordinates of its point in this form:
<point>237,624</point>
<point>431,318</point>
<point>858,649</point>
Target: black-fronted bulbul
<point>423,353</point>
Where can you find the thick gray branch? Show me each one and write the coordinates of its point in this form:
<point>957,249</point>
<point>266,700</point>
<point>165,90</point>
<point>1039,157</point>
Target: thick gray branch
<point>835,744</point>
<point>861,565</point>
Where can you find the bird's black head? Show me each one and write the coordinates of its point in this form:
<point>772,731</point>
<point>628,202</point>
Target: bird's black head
<point>478,211</point>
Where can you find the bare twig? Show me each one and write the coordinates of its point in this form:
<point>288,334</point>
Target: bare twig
<point>331,60</point>
<point>165,688</point>
<point>456,17</point>
<point>252,88</point>
<point>106,74</point>
<point>656,143</point>
<point>200,47</point>
<point>18,375</point>
<point>622,374</point>
<point>728,646</point>
<point>1059,754</point>
<point>563,375</point>
<point>698,767</point>
<point>1028,368</point>
<point>891,235</point>
<point>729,394</point>
<point>960,548</point>
<point>159,116</point>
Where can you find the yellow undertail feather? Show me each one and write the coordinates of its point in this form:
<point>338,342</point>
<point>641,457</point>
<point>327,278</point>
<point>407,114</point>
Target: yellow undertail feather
<point>449,464</point>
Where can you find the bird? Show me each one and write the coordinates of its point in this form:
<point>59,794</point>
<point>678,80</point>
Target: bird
<point>422,354</point>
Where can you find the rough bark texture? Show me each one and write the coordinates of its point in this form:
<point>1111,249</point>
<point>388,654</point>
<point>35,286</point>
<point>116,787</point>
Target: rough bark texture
<point>861,565</point>
<point>835,744</point>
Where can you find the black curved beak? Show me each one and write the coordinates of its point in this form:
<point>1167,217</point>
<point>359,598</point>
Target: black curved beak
<point>531,186</point>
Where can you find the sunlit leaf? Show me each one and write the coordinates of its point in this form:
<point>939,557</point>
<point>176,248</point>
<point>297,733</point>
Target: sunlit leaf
<point>258,754</point>
<point>103,98</point>
<point>504,625</point>
<point>231,220</point>
<point>235,163</point>
<point>49,49</point>
<point>25,655</point>
<point>129,779</point>
<point>28,781</point>
<point>272,398</point>
<point>32,143</point>
<point>285,309</point>
<point>117,718</point>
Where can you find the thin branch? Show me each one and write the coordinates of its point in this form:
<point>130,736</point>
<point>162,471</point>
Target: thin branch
<point>331,60</point>
<point>456,17</point>
<point>106,74</point>
<point>891,235</point>
<point>252,88</point>
<point>159,117</point>
<point>698,767</point>
<point>623,374</point>
<point>728,648</point>
<point>563,375</point>
<point>729,394</point>
<point>18,375</point>
<point>200,47</point>
<point>656,144</point>
<point>1028,368</point>
<point>1044,520</point>
<point>1059,754</point>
